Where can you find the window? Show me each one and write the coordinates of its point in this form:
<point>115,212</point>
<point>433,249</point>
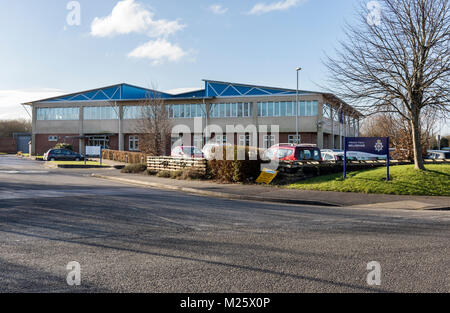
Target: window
<point>327,111</point>
<point>186,110</point>
<point>244,140</point>
<point>52,138</point>
<point>58,114</point>
<point>100,113</point>
<point>221,139</point>
<point>268,141</point>
<point>306,108</point>
<point>283,153</point>
<point>294,139</point>
<point>198,141</point>
<point>219,110</point>
<point>133,143</point>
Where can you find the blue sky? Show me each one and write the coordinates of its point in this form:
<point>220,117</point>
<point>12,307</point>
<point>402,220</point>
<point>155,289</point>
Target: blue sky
<point>167,43</point>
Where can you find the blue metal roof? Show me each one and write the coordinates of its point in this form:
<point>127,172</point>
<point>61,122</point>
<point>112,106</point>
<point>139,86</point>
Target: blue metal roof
<point>228,89</point>
<point>123,92</point>
<point>111,93</point>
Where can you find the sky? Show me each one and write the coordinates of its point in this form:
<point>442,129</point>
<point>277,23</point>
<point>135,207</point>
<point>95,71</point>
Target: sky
<point>52,47</point>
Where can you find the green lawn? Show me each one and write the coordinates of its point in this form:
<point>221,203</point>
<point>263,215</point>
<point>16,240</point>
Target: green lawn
<point>404,180</point>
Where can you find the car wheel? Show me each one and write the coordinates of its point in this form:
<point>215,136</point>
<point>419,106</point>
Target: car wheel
<point>77,159</point>
<point>52,159</point>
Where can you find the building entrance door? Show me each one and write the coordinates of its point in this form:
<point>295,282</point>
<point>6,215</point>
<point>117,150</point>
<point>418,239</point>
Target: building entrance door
<point>99,141</point>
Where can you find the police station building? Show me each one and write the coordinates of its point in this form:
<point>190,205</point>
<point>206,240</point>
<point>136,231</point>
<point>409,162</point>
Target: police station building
<point>108,117</point>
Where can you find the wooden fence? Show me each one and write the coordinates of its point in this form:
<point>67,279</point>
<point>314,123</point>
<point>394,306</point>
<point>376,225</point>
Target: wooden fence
<point>176,164</point>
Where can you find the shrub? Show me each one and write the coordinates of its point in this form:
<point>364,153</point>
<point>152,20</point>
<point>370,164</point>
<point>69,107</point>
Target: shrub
<point>134,168</point>
<point>124,156</point>
<point>164,174</point>
<point>234,170</point>
<point>192,173</point>
<point>151,172</point>
<point>64,146</point>
<point>175,174</point>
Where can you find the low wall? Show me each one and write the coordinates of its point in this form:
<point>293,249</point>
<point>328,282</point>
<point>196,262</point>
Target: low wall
<point>8,145</point>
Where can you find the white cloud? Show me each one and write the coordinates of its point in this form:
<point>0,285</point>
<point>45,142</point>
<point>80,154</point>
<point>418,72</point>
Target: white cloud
<point>11,100</point>
<point>261,8</point>
<point>128,17</point>
<point>157,51</point>
<point>218,9</point>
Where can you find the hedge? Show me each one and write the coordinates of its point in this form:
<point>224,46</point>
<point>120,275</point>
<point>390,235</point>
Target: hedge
<point>226,167</point>
<point>125,156</point>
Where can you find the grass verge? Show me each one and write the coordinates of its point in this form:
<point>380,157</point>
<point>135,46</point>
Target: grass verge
<point>404,180</point>
<point>75,163</point>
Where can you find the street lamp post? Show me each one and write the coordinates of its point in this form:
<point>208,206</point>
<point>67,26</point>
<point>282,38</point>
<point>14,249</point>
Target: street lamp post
<point>296,110</point>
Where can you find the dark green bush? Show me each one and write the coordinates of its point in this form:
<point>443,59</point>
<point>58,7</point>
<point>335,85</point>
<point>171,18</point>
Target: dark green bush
<point>164,174</point>
<point>134,168</point>
<point>176,174</point>
<point>192,173</point>
<point>151,172</point>
<point>234,170</point>
<point>64,146</point>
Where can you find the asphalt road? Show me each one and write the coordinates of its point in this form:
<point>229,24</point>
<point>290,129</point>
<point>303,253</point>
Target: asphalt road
<point>132,239</point>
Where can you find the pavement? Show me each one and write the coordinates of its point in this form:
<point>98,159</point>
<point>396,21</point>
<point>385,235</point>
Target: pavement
<point>133,239</point>
<point>279,194</point>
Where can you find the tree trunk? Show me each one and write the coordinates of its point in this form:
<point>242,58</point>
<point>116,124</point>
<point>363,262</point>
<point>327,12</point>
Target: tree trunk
<point>418,158</point>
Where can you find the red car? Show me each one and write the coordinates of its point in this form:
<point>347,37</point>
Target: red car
<point>293,152</point>
<point>187,152</point>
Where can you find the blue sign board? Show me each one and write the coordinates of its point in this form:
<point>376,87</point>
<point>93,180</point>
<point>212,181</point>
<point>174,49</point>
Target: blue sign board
<point>368,146</point>
<point>372,145</point>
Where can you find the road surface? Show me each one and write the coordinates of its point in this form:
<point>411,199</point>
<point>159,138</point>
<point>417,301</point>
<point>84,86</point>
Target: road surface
<point>133,239</point>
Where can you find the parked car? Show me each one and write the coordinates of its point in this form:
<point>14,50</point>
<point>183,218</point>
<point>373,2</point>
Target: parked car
<point>293,152</point>
<point>62,155</point>
<point>332,155</point>
<point>209,147</point>
<point>438,154</point>
<point>187,152</point>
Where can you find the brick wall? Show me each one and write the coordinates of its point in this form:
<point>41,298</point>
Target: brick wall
<point>8,145</point>
<point>43,145</point>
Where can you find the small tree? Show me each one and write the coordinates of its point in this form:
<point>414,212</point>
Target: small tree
<point>397,63</point>
<point>154,126</point>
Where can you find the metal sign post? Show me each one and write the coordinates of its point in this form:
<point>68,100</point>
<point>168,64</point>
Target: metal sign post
<point>368,147</point>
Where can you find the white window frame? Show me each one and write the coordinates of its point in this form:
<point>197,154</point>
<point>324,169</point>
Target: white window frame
<point>268,141</point>
<point>294,140</point>
<point>52,138</point>
<point>221,139</point>
<point>133,143</point>
<point>245,140</point>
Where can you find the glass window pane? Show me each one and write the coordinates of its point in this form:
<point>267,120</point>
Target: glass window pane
<point>303,108</point>
<point>277,109</point>
<point>288,108</point>
<point>315,108</point>
<point>228,113</point>
<point>270,108</point>
<point>222,110</point>
<point>282,108</point>
<point>240,112</point>
<point>234,111</point>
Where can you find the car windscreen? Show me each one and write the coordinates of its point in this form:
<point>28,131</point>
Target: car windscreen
<point>308,154</point>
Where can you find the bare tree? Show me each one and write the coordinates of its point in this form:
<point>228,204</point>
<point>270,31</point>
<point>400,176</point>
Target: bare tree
<point>399,132</point>
<point>154,126</point>
<point>398,64</point>
<point>9,127</point>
